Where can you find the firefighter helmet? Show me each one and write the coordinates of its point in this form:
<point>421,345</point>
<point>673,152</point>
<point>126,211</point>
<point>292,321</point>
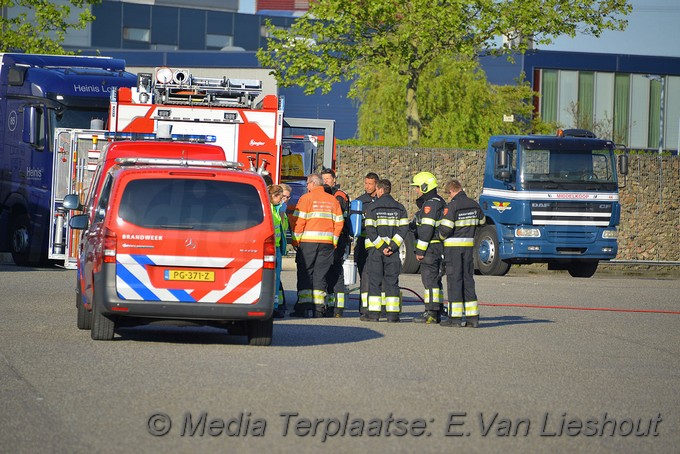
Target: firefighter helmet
<point>425,181</point>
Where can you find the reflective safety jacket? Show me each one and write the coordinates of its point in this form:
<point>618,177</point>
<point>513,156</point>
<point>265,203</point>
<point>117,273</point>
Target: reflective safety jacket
<point>427,220</point>
<point>280,220</point>
<point>386,224</point>
<point>317,218</point>
<point>461,217</point>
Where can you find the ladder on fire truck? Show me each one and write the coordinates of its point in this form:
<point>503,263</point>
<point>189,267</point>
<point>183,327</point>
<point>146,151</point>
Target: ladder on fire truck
<point>75,159</point>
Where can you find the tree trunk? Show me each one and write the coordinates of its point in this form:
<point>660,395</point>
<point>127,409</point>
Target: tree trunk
<point>412,116</point>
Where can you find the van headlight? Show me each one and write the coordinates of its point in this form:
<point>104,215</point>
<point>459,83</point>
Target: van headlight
<point>610,234</point>
<point>526,232</point>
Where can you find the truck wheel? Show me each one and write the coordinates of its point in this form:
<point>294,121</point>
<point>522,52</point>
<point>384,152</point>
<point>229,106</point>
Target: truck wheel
<point>260,332</point>
<point>103,327</point>
<point>84,316</point>
<point>582,269</point>
<point>20,238</point>
<point>409,263</point>
<point>487,253</point>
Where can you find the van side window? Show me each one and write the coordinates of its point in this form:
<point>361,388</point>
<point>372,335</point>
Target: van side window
<point>91,192</point>
<point>100,210</point>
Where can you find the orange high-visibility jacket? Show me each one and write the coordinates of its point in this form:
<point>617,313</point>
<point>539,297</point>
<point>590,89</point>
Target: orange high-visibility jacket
<point>317,218</point>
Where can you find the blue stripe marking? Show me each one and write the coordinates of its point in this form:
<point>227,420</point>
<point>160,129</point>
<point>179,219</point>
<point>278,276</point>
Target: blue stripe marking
<point>143,260</point>
<point>182,296</point>
<point>134,283</point>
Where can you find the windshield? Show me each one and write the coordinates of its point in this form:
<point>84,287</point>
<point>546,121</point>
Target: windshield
<point>78,118</point>
<point>568,169</point>
<point>191,204</point>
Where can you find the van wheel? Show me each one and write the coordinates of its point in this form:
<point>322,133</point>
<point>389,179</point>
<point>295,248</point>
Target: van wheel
<point>582,269</point>
<point>487,253</point>
<point>103,327</point>
<point>84,316</point>
<point>407,255</point>
<point>19,240</point>
<point>260,332</point>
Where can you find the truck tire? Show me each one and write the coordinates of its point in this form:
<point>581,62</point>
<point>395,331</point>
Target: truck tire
<point>19,238</point>
<point>582,269</point>
<point>487,253</point>
<point>103,327</point>
<point>260,332</point>
<point>84,316</point>
<point>409,262</point>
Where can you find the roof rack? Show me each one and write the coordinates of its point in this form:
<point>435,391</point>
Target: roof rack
<point>179,87</point>
<point>180,162</point>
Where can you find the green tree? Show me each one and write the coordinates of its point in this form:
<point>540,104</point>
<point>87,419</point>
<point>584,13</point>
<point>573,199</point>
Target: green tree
<point>40,25</point>
<point>339,39</point>
<point>459,108</point>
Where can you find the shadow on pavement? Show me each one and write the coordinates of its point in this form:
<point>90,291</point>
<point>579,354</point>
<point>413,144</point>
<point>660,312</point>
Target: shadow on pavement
<point>493,322</point>
<point>285,334</point>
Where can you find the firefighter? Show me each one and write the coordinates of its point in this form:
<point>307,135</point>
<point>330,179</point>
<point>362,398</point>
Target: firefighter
<point>336,275</point>
<point>317,224</point>
<point>457,229</point>
<point>386,227</point>
<point>370,186</point>
<point>429,248</point>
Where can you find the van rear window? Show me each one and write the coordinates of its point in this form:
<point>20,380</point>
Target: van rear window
<point>191,204</point>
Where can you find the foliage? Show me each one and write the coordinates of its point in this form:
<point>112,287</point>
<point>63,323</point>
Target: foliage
<point>41,25</point>
<point>339,39</point>
<point>603,127</point>
<point>459,108</point>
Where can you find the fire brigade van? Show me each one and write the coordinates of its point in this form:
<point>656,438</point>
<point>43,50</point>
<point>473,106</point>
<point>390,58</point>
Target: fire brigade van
<point>179,240</point>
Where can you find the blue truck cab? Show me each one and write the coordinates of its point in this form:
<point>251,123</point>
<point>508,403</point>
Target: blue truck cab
<point>38,94</point>
<point>549,199</point>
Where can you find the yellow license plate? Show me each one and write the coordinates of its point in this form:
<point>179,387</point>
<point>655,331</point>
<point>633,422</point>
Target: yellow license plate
<point>186,275</point>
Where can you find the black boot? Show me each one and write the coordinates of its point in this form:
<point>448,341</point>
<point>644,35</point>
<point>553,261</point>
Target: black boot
<point>370,316</point>
<point>453,322</point>
<point>473,322</point>
<point>428,317</point>
<point>393,318</point>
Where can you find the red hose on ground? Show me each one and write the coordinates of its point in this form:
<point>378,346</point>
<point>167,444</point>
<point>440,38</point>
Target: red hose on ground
<point>609,309</point>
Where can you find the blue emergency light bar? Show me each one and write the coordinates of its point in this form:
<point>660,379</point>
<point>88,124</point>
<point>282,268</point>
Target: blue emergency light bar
<point>198,138</point>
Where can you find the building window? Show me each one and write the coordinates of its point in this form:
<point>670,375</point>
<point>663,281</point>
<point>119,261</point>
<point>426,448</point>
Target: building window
<point>586,100</point>
<point>137,34</point>
<point>217,42</point>
<point>654,113</point>
<point>621,107</point>
<point>549,96</point>
<point>164,47</point>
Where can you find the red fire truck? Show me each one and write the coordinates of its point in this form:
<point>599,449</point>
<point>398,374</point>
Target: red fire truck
<point>232,113</point>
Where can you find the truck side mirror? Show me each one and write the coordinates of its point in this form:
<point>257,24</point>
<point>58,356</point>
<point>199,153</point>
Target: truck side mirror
<point>502,169</point>
<point>78,222</point>
<point>623,164</point>
<point>72,202</point>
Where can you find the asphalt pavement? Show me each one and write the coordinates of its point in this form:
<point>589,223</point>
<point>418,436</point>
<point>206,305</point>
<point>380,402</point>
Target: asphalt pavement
<point>557,365</point>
